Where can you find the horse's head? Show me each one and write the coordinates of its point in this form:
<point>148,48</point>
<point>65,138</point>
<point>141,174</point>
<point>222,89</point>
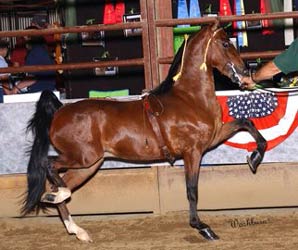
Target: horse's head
<point>220,53</point>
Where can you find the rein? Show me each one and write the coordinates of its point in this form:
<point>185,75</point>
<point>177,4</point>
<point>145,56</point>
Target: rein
<point>279,91</point>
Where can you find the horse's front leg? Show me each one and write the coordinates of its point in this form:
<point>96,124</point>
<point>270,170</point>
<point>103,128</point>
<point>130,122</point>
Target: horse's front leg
<point>192,169</point>
<point>231,128</point>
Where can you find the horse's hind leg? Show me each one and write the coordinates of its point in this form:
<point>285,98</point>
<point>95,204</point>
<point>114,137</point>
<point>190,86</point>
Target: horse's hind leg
<point>231,128</point>
<point>59,192</point>
<point>74,178</point>
<point>70,225</point>
<point>62,186</point>
<point>192,168</point>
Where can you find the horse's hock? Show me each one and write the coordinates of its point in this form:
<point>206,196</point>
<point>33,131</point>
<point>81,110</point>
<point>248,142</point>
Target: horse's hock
<point>161,189</point>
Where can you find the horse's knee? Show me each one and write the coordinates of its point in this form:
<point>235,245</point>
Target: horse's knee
<point>244,122</point>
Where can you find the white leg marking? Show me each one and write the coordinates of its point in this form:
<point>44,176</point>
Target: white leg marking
<point>72,228</point>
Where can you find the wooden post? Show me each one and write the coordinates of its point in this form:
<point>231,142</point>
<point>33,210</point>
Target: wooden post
<point>163,10</point>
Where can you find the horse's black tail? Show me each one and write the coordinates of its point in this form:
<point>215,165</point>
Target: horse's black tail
<point>38,164</point>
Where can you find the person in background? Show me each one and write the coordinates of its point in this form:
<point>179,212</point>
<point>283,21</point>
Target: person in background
<point>53,42</point>
<point>41,21</point>
<point>19,52</point>
<point>286,62</point>
<point>37,55</point>
<point>3,64</point>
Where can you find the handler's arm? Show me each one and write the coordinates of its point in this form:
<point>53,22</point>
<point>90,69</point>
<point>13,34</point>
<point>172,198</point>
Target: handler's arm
<point>264,73</point>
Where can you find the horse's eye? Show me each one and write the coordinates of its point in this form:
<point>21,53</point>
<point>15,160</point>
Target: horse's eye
<point>226,44</point>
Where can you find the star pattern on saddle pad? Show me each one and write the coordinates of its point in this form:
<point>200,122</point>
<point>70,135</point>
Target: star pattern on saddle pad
<point>254,105</point>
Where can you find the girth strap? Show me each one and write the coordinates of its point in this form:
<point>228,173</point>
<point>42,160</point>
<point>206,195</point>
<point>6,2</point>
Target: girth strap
<point>152,116</point>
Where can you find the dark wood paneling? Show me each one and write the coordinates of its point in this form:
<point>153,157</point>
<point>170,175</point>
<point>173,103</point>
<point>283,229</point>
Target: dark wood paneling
<point>79,82</point>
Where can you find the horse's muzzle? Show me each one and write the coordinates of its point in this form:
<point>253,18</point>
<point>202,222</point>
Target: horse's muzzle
<point>236,74</point>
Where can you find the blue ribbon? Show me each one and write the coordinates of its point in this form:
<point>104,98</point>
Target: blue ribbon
<point>238,10</point>
<point>182,11</point>
<point>194,9</point>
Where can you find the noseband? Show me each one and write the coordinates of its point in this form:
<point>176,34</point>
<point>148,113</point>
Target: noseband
<point>235,77</point>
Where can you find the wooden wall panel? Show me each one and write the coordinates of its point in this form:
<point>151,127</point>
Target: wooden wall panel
<point>109,191</point>
<point>232,186</point>
<point>162,189</point>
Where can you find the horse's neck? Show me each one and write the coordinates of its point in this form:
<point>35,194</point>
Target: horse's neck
<point>192,61</point>
<point>199,91</point>
<point>196,82</point>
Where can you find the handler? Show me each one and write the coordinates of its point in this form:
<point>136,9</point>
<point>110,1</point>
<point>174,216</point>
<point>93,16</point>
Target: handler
<point>286,62</point>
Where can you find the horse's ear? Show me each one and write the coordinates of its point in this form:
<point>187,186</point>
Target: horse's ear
<point>215,24</point>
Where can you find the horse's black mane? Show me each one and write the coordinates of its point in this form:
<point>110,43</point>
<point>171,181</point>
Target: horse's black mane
<point>168,83</point>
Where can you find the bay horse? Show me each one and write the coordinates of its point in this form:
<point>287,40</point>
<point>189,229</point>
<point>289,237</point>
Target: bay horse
<point>180,119</point>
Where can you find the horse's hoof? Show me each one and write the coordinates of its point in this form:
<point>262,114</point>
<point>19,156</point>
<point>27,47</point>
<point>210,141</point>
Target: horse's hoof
<point>208,234</point>
<point>56,197</point>
<point>254,160</point>
<point>83,236</point>
<point>251,166</point>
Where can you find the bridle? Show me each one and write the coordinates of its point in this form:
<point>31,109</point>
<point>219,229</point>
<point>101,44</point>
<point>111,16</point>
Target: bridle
<point>235,77</point>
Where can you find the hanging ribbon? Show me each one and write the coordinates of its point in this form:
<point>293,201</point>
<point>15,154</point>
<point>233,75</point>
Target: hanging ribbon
<point>194,9</point>
<point>277,6</point>
<point>264,9</point>
<point>109,13</point>
<point>182,12</point>
<point>225,8</point>
<point>289,33</point>
<point>119,11</point>
<point>240,25</point>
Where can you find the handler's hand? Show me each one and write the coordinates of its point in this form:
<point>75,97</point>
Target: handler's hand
<point>248,83</point>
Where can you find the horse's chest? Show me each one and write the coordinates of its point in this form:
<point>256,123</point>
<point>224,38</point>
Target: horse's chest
<point>190,134</point>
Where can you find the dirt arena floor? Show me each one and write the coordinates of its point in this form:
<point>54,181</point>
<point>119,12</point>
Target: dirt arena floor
<point>252,229</point>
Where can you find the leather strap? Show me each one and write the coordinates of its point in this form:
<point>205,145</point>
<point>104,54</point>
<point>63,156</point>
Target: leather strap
<point>152,116</point>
